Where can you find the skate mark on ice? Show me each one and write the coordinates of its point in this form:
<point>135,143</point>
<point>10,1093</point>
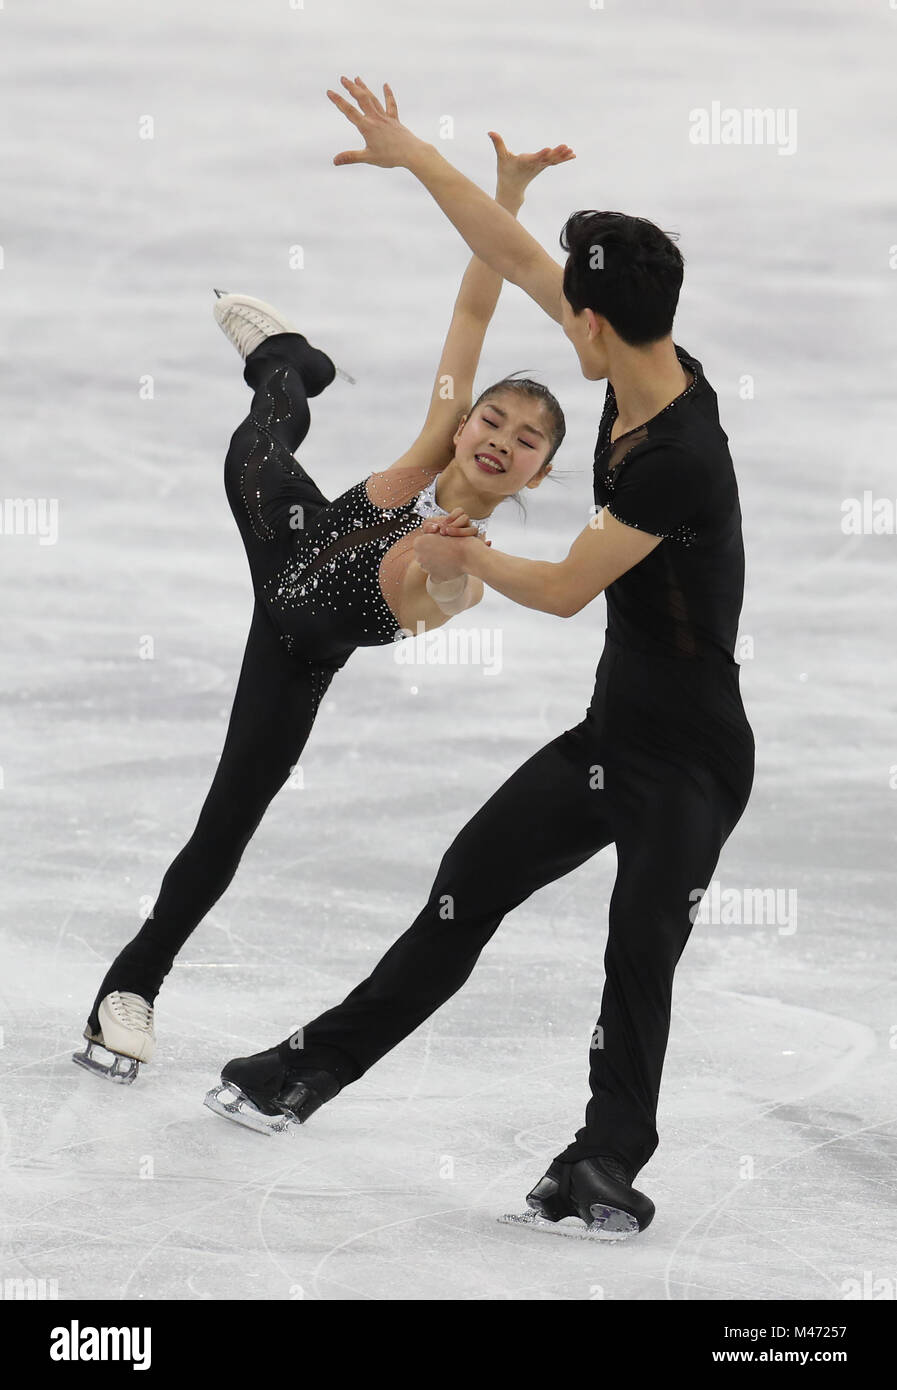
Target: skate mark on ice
<point>711,1213</point>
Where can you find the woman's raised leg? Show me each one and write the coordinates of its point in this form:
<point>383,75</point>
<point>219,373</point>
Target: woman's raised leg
<point>269,491</point>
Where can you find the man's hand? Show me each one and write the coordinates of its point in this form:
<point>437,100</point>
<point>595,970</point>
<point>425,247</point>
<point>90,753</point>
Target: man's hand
<point>388,143</point>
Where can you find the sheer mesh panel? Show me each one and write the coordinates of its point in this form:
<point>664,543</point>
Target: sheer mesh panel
<point>677,608</point>
<point>386,491</point>
<point>394,489</point>
<point>624,446</point>
<point>362,535</point>
<point>393,568</point>
<point>397,486</point>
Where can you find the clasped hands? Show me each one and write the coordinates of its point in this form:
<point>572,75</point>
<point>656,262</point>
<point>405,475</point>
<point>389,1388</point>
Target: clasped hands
<point>440,546</point>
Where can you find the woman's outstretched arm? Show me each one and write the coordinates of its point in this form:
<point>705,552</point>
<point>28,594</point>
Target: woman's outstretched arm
<point>474,306</point>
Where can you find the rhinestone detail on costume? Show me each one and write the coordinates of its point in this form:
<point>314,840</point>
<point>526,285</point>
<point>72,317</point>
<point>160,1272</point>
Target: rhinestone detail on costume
<point>249,491</point>
<point>427,506</point>
<point>684,535</point>
<point>334,572</point>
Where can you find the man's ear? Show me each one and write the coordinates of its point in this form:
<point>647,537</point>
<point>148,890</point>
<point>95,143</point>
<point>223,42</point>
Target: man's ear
<point>542,473</point>
<point>596,324</point>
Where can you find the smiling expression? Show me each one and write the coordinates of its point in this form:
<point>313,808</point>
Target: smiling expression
<point>502,445</point>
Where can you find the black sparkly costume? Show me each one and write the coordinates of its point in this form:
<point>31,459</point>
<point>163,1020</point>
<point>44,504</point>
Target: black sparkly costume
<point>661,766</point>
<point>317,569</point>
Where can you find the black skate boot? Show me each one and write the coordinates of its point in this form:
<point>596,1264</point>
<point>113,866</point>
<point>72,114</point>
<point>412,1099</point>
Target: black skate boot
<point>597,1191</point>
<point>264,1093</point>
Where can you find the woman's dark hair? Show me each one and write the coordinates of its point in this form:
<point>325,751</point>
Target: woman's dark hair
<point>525,386</point>
<point>625,268</point>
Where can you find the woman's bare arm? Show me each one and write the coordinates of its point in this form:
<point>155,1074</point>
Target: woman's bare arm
<point>474,307</point>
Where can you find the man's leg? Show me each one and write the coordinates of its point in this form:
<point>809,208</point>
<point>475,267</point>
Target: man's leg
<point>668,846</point>
<point>547,818</point>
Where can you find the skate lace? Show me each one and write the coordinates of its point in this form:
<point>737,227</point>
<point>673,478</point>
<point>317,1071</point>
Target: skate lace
<point>244,321</point>
<point>132,1010</point>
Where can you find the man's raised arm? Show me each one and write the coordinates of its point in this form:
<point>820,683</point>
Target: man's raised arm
<point>490,232</point>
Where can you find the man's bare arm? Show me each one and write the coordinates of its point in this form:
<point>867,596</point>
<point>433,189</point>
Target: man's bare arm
<point>602,552</point>
<point>490,232</point>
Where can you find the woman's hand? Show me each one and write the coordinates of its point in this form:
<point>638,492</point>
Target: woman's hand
<point>515,171</point>
<point>388,143</point>
<point>442,557</point>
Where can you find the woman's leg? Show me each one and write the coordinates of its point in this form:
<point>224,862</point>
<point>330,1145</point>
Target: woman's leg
<point>277,695</point>
<point>274,708</point>
<point>269,492</point>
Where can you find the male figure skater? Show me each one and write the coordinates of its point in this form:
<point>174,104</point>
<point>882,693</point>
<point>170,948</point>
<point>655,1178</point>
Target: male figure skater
<point>662,764</point>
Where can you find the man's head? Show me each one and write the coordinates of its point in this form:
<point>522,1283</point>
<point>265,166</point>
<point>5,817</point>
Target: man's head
<point>621,285</point>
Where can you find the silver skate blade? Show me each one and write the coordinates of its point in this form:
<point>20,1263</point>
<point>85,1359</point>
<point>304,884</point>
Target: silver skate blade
<point>241,1109</point>
<point>610,1223</point>
<point>119,1068</point>
<point>345,376</point>
<point>221,293</point>
<point>571,1226</point>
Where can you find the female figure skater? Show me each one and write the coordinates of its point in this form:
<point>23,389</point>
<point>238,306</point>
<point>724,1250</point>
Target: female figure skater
<point>328,577</point>
<point>662,764</point>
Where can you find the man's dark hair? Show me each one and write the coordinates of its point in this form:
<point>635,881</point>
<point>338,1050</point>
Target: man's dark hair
<point>625,268</point>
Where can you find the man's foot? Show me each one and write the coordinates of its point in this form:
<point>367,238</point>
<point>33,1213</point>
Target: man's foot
<point>263,1093</point>
<point>597,1192</point>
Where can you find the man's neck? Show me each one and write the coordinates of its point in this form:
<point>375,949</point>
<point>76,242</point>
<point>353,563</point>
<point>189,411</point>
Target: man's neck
<point>644,381</point>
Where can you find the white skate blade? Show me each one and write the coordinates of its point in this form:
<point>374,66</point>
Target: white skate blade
<point>608,1224</point>
<point>241,1109</point>
<point>345,376</point>
<point>118,1068</point>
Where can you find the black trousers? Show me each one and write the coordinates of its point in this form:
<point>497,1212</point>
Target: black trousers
<point>661,766</point>
<point>277,694</point>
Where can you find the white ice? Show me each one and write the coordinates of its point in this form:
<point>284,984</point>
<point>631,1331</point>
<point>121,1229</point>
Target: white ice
<point>775,1176</point>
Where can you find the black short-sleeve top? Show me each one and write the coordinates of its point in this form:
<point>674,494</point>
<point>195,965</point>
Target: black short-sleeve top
<point>673,477</point>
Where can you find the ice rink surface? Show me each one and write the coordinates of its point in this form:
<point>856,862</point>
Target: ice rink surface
<point>775,1176</point>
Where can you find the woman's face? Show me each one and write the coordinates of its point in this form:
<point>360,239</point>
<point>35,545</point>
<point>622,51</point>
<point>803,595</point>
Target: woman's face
<point>502,445</point>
